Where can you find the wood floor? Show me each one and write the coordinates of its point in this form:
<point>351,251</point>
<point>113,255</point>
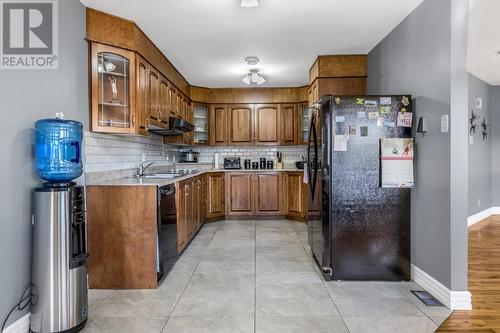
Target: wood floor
<point>484,281</point>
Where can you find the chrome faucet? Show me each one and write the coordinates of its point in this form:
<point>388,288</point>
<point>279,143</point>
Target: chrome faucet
<point>142,168</point>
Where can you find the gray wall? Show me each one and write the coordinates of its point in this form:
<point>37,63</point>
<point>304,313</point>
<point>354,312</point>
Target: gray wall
<point>415,58</point>
<point>480,178</point>
<point>495,144</point>
<point>26,96</point>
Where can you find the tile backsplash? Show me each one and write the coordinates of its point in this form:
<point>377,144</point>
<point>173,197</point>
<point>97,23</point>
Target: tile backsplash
<point>106,152</point>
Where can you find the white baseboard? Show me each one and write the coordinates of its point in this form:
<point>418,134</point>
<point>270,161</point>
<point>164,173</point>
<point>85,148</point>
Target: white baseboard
<point>22,325</point>
<point>478,217</point>
<point>454,300</point>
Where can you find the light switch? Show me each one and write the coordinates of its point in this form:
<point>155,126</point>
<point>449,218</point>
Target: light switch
<point>471,140</point>
<point>445,123</point>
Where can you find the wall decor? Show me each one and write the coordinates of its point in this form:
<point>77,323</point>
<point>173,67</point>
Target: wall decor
<point>485,129</point>
<point>473,122</point>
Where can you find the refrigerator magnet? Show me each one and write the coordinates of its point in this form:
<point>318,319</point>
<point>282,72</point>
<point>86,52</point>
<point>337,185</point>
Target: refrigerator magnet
<point>361,114</point>
<point>360,101</point>
<point>373,115</point>
<point>405,101</point>
<point>363,131</point>
<point>337,100</point>
<point>389,124</point>
<point>352,129</point>
<point>385,100</point>
<point>405,119</point>
<point>370,103</point>
<point>403,110</point>
<point>385,109</point>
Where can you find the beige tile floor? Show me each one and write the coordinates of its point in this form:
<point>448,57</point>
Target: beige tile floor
<point>258,276</point>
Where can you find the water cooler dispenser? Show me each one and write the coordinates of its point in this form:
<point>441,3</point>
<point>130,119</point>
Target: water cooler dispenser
<point>59,249</point>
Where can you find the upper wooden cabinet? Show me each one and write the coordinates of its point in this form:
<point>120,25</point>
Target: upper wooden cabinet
<point>164,102</point>
<point>218,125</point>
<point>154,97</point>
<point>249,124</point>
<point>290,123</point>
<point>267,124</point>
<point>241,124</point>
<point>113,89</point>
<point>142,98</point>
<point>201,118</point>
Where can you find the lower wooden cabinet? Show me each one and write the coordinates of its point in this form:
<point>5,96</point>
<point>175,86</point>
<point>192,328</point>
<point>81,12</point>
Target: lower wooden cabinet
<point>268,194</point>
<point>122,231</point>
<point>295,195</point>
<point>215,207</point>
<point>253,194</point>
<point>239,193</point>
<point>189,202</point>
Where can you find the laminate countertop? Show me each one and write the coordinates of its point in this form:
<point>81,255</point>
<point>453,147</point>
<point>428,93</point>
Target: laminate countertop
<point>137,181</point>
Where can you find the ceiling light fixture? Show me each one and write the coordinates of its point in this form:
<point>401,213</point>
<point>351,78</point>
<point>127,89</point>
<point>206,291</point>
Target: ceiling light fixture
<point>249,3</point>
<point>254,77</point>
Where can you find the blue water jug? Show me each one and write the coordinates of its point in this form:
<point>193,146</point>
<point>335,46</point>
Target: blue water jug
<point>57,149</point>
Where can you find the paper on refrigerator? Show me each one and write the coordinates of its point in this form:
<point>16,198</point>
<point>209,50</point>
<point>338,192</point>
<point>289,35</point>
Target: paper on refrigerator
<point>340,142</point>
<point>397,162</point>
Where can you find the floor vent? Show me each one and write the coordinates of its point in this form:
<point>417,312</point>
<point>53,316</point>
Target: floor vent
<point>426,298</point>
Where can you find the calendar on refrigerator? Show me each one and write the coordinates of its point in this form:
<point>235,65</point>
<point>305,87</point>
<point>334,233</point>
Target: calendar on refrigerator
<point>397,156</point>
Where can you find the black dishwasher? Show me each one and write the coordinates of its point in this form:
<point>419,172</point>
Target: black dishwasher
<point>167,253</point>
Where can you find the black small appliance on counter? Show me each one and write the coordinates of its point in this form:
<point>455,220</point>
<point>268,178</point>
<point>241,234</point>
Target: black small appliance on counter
<point>232,162</point>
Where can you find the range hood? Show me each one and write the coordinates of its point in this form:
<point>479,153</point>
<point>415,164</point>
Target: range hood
<point>176,126</point>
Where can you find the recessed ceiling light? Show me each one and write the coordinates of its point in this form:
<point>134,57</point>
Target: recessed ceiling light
<point>249,3</point>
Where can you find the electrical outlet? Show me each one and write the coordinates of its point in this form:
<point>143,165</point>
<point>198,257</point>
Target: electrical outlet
<point>479,202</point>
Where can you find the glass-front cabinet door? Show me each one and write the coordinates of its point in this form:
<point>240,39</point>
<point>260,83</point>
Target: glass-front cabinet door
<point>304,124</point>
<point>200,118</point>
<point>113,89</point>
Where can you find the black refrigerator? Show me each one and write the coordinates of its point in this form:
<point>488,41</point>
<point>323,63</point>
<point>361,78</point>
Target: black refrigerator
<point>358,220</point>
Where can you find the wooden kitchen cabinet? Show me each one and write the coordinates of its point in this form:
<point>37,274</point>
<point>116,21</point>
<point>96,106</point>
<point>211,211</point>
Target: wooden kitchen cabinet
<point>215,195</point>
<point>189,202</point>
<point>154,97</point>
<point>239,194</point>
<point>184,212</point>
<point>219,132</point>
<point>122,231</point>
<point>289,124</point>
<point>267,124</point>
<point>142,97</point>
<point>268,194</point>
<point>295,195</point>
<point>303,124</point>
<point>253,194</point>
<point>241,124</point>
<point>164,113</point>
<point>113,87</point>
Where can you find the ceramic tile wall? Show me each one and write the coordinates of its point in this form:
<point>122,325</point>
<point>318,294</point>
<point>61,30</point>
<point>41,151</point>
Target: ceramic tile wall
<point>105,152</point>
